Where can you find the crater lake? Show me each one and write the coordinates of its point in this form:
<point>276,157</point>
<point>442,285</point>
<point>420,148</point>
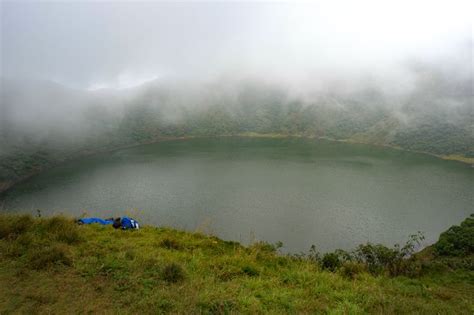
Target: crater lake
<point>297,191</point>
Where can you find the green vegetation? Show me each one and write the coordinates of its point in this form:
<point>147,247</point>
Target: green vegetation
<point>458,240</point>
<point>377,259</point>
<point>51,265</point>
<point>255,111</point>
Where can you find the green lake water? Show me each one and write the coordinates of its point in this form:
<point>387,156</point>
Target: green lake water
<point>298,191</point>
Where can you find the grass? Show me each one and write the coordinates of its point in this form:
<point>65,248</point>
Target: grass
<point>461,158</point>
<point>51,265</point>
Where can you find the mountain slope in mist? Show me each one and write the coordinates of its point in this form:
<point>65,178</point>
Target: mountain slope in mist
<point>44,123</point>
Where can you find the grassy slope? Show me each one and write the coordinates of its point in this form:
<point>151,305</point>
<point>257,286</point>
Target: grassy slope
<point>52,265</point>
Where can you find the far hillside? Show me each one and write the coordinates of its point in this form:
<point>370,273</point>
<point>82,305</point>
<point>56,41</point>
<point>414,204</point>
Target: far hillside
<point>44,123</point>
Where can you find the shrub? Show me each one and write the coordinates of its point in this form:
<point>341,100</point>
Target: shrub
<point>46,257</point>
<point>458,240</point>
<point>375,256</point>
<point>380,258</point>
<point>331,261</point>
<point>172,273</point>
<point>343,255</point>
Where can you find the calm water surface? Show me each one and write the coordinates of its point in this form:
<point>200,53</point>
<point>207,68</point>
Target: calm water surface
<point>297,191</point>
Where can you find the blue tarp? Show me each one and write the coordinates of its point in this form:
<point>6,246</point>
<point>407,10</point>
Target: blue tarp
<point>125,222</point>
<point>95,220</point>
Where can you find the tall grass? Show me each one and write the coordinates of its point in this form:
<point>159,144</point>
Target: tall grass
<point>51,265</point>
<point>12,226</point>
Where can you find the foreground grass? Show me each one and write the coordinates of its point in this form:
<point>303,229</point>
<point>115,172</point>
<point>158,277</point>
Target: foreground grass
<point>53,266</point>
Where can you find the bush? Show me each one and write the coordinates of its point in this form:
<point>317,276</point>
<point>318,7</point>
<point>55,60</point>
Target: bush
<point>376,257</point>
<point>380,258</point>
<point>458,240</point>
<point>46,257</point>
<point>172,273</point>
<point>331,261</point>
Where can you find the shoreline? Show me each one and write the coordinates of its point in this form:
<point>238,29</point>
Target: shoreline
<point>5,186</point>
<point>452,157</point>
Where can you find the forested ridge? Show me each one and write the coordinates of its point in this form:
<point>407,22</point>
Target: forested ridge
<point>44,123</point>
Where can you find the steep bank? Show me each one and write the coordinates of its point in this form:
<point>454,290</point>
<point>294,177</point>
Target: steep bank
<point>53,266</point>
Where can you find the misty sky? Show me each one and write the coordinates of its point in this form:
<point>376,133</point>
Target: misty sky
<point>120,44</point>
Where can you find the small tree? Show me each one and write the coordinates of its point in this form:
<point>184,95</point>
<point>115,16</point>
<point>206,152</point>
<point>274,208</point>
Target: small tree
<point>458,240</point>
<point>378,257</point>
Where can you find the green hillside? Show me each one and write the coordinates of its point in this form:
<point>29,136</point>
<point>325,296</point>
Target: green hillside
<point>435,119</point>
<point>51,265</point>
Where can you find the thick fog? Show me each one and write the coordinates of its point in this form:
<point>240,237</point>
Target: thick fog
<point>90,45</point>
<point>75,68</point>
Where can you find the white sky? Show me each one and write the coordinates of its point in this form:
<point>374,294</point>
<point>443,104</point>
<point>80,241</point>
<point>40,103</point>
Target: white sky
<point>122,44</point>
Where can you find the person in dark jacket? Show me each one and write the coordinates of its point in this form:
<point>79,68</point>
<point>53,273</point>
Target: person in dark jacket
<point>125,223</point>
